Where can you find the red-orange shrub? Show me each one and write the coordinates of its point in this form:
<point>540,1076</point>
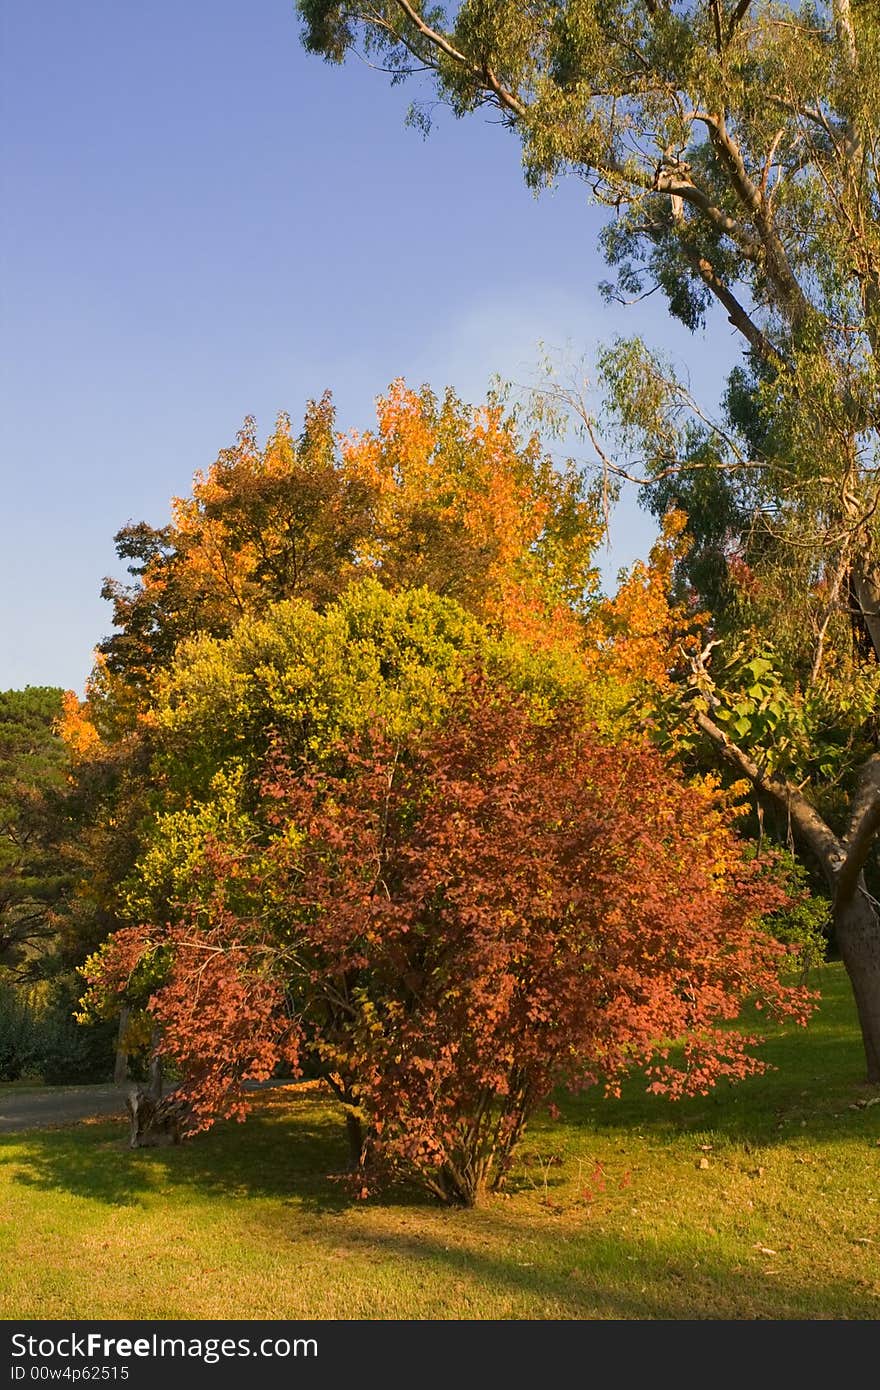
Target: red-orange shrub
<point>451,927</point>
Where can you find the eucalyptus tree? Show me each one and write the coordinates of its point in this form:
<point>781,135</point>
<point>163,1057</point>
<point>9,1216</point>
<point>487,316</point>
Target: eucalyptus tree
<point>735,144</point>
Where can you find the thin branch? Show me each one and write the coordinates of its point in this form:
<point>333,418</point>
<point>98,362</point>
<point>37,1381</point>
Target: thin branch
<point>485,73</point>
<point>830,609</point>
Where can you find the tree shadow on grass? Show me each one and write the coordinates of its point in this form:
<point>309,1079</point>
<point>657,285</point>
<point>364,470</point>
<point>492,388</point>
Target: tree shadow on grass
<point>292,1148</point>
<point>294,1153</point>
<point>295,1149</point>
<point>763,1110</point>
<point>601,1276</point>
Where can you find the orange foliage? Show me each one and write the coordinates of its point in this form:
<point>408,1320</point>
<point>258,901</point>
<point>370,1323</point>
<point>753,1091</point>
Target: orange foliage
<point>641,629</point>
<point>440,494</point>
<point>465,506</point>
<point>76,728</point>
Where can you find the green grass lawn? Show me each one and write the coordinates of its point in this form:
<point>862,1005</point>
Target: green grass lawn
<point>761,1201</point>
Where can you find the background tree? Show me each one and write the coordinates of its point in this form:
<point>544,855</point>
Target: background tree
<point>32,876</point>
<point>38,986</point>
<point>737,144</point>
<point>441,494</point>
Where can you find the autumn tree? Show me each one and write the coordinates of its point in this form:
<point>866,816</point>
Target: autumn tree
<point>306,677</point>
<point>440,494</point>
<point>736,142</point>
<point>451,921</point>
<point>261,524</point>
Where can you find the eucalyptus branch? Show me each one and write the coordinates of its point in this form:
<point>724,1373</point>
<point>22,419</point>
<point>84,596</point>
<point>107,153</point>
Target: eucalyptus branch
<point>736,313</point>
<point>814,831</point>
<point>737,17</point>
<point>777,263</point>
<point>481,71</point>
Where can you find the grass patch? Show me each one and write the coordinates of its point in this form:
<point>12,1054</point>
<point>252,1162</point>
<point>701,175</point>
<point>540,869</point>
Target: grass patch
<point>760,1201</point>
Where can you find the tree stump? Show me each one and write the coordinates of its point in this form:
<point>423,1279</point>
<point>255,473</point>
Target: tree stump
<point>155,1120</point>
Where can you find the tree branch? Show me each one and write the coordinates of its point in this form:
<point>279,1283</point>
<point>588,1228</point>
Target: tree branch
<point>813,830</point>
<point>858,846</point>
<point>717,20</point>
<point>776,259</point>
<point>736,314</point>
<point>484,72</point>
<point>845,33</point>
<point>737,17</point>
<point>867,790</point>
<point>674,183</point>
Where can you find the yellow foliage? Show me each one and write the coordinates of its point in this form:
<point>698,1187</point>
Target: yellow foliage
<point>76,728</point>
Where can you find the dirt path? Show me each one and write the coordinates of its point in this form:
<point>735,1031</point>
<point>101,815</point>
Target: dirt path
<point>57,1105</point>
<point>45,1106</point>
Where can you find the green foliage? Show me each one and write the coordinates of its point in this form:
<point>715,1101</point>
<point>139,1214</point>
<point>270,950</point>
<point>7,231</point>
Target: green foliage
<point>33,761</point>
<point>816,737</point>
<point>371,655</point>
<point>804,924</point>
<point>737,147</point>
<point>41,1041</point>
<point>298,681</point>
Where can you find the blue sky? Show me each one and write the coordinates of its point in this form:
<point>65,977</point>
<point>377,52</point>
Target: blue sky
<point>200,222</point>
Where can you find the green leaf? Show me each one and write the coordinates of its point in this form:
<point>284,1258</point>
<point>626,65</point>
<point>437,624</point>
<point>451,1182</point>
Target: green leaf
<point>759,666</point>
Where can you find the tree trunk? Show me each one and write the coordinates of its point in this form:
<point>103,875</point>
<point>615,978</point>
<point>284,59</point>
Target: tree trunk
<point>857,926</point>
<point>866,590</point>
<point>154,1085</point>
<point>855,912</point>
<point>154,1121</point>
<point>356,1141</point>
<point>120,1069</point>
